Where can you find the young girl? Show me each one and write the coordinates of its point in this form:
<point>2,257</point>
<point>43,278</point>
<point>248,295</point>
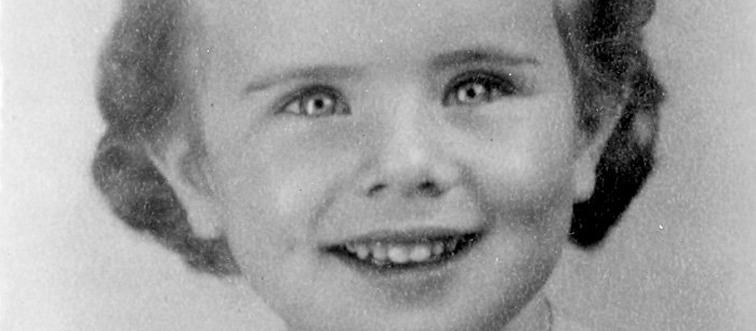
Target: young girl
<point>384,165</point>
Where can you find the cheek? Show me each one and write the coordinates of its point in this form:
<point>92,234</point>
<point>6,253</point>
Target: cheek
<point>534,203</point>
<point>531,168</point>
<point>275,187</point>
<point>529,184</point>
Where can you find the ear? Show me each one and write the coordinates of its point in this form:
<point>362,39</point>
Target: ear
<point>589,150</point>
<point>184,166</point>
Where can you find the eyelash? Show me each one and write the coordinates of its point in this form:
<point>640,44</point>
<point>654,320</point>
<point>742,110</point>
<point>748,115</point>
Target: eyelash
<point>494,86</point>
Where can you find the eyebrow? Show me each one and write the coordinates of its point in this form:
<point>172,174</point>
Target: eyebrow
<point>440,62</point>
<point>464,57</point>
<point>320,72</point>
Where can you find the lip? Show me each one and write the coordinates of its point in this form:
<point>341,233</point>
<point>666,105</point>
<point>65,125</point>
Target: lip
<point>402,236</point>
<point>407,236</point>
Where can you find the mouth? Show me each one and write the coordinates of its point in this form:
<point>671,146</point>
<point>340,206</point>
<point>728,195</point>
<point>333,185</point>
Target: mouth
<point>396,252</point>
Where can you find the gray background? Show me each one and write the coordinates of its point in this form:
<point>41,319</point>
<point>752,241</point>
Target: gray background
<point>684,258</point>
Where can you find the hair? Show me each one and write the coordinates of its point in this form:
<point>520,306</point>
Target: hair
<point>141,89</point>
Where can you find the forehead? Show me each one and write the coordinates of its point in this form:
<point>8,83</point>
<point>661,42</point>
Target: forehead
<point>278,32</point>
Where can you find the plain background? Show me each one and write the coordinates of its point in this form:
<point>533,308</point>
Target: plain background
<point>684,257</point>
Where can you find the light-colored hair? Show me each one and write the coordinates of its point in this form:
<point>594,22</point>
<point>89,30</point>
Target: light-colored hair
<point>141,89</point>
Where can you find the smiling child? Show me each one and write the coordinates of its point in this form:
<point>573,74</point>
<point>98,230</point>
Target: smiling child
<point>379,165</point>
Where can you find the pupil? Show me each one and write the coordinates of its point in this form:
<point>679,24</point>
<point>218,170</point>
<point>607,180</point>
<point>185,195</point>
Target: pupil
<point>319,103</point>
<point>471,92</point>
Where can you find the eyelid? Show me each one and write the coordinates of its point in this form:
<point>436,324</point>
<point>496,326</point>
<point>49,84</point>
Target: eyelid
<point>484,75</point>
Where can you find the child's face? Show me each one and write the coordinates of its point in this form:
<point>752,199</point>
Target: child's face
<point>352,142</point>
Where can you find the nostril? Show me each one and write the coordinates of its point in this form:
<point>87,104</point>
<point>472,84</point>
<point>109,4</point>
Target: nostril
<point>429,189</point>
<point>375,189</point>
<point>426,188</point>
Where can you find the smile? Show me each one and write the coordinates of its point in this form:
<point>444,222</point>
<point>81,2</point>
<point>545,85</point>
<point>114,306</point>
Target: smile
<point>404,252</point>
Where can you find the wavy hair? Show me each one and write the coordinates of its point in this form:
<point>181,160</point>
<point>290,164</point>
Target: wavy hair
<point>140,88</point>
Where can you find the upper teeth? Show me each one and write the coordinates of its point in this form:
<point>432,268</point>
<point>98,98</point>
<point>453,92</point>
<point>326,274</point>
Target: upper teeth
<point>400,253</point>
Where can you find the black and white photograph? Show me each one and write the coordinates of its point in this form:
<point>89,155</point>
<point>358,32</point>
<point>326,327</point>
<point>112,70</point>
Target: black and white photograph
<point>493,165</point>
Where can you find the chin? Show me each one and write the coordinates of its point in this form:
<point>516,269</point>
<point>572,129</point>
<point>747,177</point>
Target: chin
<point>478,280</point>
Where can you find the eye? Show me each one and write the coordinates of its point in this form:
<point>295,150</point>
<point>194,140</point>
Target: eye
<point>478,88</point>
<point>316,101</point>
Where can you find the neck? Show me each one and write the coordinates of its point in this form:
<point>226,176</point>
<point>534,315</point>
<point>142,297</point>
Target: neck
<point>535,316</point>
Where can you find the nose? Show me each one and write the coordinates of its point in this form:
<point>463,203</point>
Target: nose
<point>410,162</point>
